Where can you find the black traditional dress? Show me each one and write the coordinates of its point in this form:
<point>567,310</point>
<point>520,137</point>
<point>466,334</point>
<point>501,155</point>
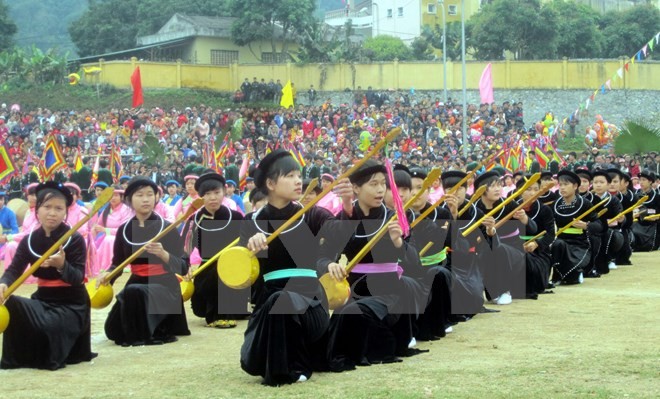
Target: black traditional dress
<point>149,310</point>
<point>464,256</point>
<point>647,236</point>
<point>284,338</point>
<point>538,264</point>
<point>52,328</point>
<point>594,240</point>
<point>627,200</point>
<point>549,198</point>
<point>212,299</point>
<point>611,239</point>
<point>506,270</point>
<point>433,322</point>
<point>571,251</point>
<point>375,326</point>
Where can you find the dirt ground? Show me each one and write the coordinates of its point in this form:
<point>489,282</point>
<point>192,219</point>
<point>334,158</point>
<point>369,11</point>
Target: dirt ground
<point>597,340</point>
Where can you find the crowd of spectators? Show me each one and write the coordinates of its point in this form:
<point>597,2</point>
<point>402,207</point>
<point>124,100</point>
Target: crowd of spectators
<point>330,135</point>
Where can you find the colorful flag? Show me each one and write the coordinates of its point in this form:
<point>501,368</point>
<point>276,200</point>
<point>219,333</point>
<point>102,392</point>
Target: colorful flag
<point>51,159</point>
<point>136,83</point>
<point>486,85</point>
<point>116,167</point>
<point>7,168</point>
<point>95,171</point>
<point>222,152</point>
<point>541,158</point>
<point>287,96</point>
<point>243,172</point>
<point>78,163</point>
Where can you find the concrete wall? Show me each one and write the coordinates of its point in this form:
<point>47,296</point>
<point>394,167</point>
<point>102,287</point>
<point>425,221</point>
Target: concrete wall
<point>563,74</point>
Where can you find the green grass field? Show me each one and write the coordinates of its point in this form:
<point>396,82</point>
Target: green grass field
<point>597,340</point>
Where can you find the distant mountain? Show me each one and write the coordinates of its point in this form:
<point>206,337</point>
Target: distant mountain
<point>45,22</point>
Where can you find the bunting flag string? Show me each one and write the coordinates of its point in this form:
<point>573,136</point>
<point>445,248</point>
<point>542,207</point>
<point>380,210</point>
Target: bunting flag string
<point>639,56</point>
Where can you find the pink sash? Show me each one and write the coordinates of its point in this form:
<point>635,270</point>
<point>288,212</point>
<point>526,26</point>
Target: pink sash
<point>372,268</point>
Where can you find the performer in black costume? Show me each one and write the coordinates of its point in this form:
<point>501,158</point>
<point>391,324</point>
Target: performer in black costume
<point>620,186</point>
<point>210,230</point>
<point>434,322</point>
<point>647,237</point>
<point>538,258</point>
<point>370,327</point>
<point>571,251</point>
<point>52,328</point>
<point>285,337</point>
<point>149,310</point>
<point>611,239</point>
<point>504,276</point>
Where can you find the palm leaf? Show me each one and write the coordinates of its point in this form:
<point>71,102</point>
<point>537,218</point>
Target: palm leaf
<point>637,137</point>
<point>153,152</point>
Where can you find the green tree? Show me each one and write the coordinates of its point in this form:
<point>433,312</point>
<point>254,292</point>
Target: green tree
<point>322,43</point>
<point>577,27</point>
<point>421,49</point>
<point>433,36</point>
<point>271,21</point>
<point>114,25</point>
<point>522,27</point>
<point>386,48</point>
<point>7,28</point>
<point>627,31</point>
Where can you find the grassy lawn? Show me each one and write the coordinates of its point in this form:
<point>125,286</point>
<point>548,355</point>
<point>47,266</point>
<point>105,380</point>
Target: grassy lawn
<point>597,340</point>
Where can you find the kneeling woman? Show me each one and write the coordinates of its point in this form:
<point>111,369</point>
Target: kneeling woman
<point>284,337</point>
<point>571,251</point>
<point>210,230</point>
<point>51,329</point>
<point>149,310</point>
<point>372,327</point>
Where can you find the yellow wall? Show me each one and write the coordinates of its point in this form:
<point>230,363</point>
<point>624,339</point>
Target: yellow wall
<point>388,75</point>
<point>200,50</point>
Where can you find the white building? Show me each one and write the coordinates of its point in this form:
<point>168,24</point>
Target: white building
<point>399,18</point>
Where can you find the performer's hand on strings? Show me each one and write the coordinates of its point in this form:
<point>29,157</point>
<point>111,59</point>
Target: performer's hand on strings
<point>530,246</point>
<point>521,215</point>
<point>257,243</point>
<point>337,271</point>
<point>580,225</point>
<point>489,223</point>
<point>56,260</point>
<point>156,248</point>
<point>395,233</point>
<point>103,279</point>
<point>3,289</point>
<point>452,204</point>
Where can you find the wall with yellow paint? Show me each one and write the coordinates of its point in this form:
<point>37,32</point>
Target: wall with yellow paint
<point>563,74</point>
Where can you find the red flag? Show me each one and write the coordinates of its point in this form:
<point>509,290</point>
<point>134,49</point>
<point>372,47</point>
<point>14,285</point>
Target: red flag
<point>136,82</point>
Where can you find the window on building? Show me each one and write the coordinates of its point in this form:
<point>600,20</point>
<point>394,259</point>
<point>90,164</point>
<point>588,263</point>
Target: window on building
<point>273,58</point>
<point>223,57</point>
<point>431,9</point>
<point>452,9</point>
<point>389,13</point>
<point>399,12</point>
